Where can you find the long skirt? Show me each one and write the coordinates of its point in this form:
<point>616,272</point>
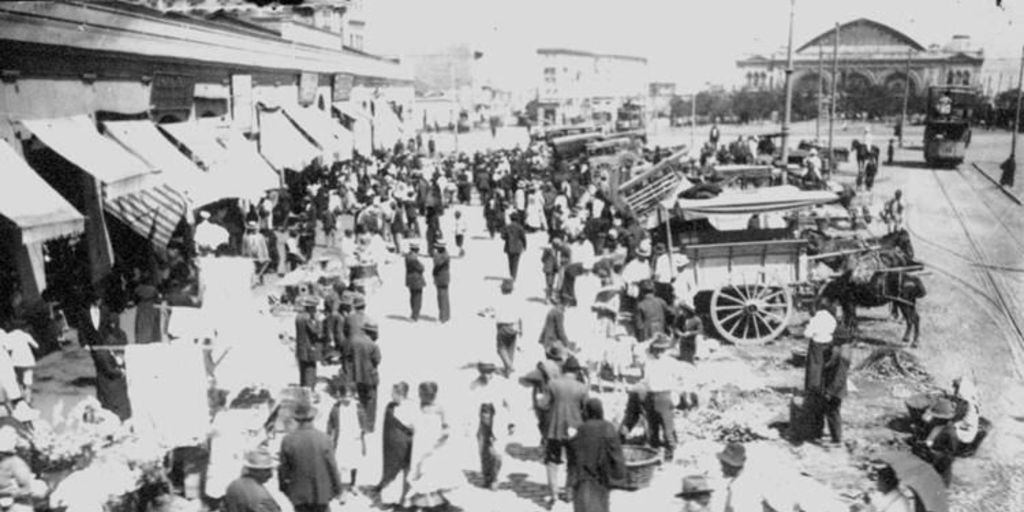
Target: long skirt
<point>397,454</point>
<point>590,496</point>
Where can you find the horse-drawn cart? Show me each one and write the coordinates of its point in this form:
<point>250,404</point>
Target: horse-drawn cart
<point>749,280</point>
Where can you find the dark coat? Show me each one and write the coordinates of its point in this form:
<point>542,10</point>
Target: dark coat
<point>814,367</point>
<point>596,463</point>
<point>308,472</point>
<point>248,495</point>
<point>414,272</point>
<point>836,371</point>
<point>554,328</point>
<point>652,315</point>
<point>354,324</point>
<point>307,338</point>
<point>364,357</point>
<point>566,411</point>
<point>442,273</point>
<point>111,383</point>
<point>334,332</point>
<point>515,238</point>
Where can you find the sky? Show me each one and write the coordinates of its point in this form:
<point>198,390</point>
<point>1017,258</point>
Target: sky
<point>690,42</point>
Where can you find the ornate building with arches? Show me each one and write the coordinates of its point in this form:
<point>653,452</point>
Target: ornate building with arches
<point>870,54</point>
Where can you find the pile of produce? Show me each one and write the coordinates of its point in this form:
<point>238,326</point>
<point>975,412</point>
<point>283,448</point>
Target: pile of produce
<point>732,415</point>
<point>886,363</point>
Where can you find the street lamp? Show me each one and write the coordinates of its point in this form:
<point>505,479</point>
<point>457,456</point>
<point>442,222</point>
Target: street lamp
<point>1009,167</point>
<point>789,93</point>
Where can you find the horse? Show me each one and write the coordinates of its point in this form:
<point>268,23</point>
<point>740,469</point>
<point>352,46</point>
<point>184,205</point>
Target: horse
<point>896,287</point>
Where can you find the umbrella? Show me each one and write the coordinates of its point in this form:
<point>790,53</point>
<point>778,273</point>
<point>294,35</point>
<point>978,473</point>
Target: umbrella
<point>921,477</point>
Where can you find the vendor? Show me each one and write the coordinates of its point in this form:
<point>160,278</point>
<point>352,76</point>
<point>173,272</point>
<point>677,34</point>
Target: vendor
<point>18,486</point>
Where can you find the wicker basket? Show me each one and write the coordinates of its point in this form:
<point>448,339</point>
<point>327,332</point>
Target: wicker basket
<point>640,465</point>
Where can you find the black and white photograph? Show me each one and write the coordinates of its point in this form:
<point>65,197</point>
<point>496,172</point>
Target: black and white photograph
<point>511,256</point>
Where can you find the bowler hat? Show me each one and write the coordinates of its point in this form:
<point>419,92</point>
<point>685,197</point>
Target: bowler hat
<point>304,411</point>
<point>260,458</point>
<point>694,485</point>
<point>734,454</point>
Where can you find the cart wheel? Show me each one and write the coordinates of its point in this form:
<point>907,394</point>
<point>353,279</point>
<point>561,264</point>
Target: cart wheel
<point>749,314</point>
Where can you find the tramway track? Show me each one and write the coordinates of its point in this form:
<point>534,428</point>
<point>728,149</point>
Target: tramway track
<point>1005,303</point>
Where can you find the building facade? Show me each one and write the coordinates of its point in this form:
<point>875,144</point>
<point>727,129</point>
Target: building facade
<point>869,54</point>
<point>577,85</point>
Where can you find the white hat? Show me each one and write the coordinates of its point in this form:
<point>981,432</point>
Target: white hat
<point>204,214</point>
<point>8,439</point>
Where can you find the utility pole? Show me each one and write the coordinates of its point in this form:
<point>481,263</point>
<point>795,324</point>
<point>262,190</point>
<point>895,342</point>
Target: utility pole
<point>789,94</point>
<point>821,82</point>
<point>906,96</point>
<point>693,122</point>
<point>832,97</point>
<point>1009,167</point>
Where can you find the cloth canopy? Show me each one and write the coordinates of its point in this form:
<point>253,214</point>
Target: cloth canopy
<point>335,140</point>
<point>30,203</point>
<point>362,127</point>
<point>282,144</point>
<point>387,126</point>
<point>134,192</point>
<point>77,140</point>
<point>243,172</point>
<point>351,111</point>
<point>143,139</point>
<point>748,202</point>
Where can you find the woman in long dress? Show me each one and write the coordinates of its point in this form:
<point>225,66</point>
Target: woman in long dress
<point>432,472</point>
<point>397,437</point>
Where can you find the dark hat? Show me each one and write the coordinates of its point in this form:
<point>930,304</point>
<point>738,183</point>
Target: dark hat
<point>694,485</point>
<point>571,364</point>
<point>304,411</point>
<point>358,301</point>
<point>734,454</point>
<point>486,367</point>
<point>260,458</point>
<point>556,352</point>
<point>146,292</point>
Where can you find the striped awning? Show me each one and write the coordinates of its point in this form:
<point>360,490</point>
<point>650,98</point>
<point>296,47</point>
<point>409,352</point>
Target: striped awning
<point>749,202</point>
<point>29,202</point>
<point>335,140</point>
<point>153,213</point>
<point>144,140</point>
<point>77,140</point>
<point>233,164</point>
<point>282,144</point>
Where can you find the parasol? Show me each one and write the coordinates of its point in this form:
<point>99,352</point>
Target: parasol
<point>921,477</point>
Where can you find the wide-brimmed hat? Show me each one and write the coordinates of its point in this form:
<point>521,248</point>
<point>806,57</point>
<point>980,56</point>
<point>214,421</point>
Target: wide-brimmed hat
<point>251,225</point>
<point>260,458</point>
<point>734,454</point>
<point>942,409</point>
<point>643,251</point>
<point>304,411</point>
<point>694,485</point>
<point>204,214</point>
<point>440,244</point>
<point>310,302</point>
<point>414,245</point>
<point>370,325</point>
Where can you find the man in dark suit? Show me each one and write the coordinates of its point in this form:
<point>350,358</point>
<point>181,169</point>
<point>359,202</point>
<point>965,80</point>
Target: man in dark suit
<point>334,323</point>
<point>442,278</point>
<point>515,243</point>
<point>247,493</point>
<point>553,331</point>
<point>308,472</point>
<point>834,377</point>
<point>307,342</point>
<point>364,358</point>
<point>652,313</point>
<point>596,460</point>
<point>414,280</point>
<point>354,320</point>
<point>568,395</point>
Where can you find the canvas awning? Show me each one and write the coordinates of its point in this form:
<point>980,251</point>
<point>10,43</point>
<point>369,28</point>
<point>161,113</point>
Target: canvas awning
<point>133,191</point>
<point>282,144</point>
<point>335,140</point>
<point>749,202</point>
<point>146,142</point>
<point>29,202</point>
<point>77,140</point>
<point>352,111</point>
<point>241,170</point>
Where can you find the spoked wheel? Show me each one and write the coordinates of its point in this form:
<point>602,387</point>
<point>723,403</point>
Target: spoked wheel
<point>751,313</point>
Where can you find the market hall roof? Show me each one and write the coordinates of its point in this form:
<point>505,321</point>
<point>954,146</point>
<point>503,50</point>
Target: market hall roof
<point>29,202</point>
<point>112,27</point>
<point>863,32</point>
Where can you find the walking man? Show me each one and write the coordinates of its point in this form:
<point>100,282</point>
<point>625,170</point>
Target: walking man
<point>308,472</point>
<point>247,493</point>
<point>414,280</point>
<point>307,341</point>
<point>596,460</point>
<point>509,325</point>
<point>515,243</point>
<point>365,358</point>
<point>442,277</point>
<point>568,395</point>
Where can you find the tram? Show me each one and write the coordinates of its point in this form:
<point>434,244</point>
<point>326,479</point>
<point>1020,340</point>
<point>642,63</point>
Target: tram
<point>947,129</point>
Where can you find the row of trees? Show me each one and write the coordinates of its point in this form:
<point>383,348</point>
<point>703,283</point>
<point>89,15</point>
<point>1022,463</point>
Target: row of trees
<point>876,101</point>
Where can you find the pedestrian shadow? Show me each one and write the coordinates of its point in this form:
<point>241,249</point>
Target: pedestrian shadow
<point>910,164</point>
<point>400,317</point>
<point>525,453</point>
<point>535,492</point>
<point>480,237</point>
<point>494,278</point>
<point>537,300</point>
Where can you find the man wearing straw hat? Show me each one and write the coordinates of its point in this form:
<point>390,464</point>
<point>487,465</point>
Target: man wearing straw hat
<point>696,494</point>
<point>308,472</point>
<point>247,493</point>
